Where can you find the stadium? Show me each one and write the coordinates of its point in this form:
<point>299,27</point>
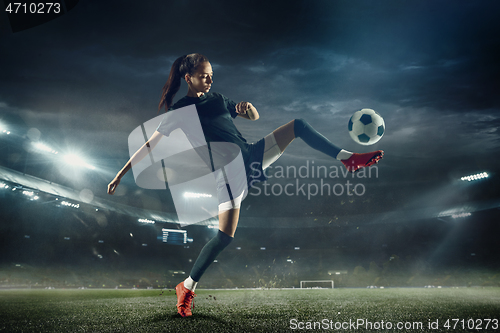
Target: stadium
<point>408,244</point>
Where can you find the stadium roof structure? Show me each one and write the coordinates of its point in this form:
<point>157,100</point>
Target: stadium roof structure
<point>407,214</point>
<point>37,184</point>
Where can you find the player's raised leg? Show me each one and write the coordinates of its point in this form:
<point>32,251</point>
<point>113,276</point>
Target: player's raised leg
<point>299,128</point>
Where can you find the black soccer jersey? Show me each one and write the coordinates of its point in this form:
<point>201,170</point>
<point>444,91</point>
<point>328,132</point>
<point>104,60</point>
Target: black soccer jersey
<point>216,113</point>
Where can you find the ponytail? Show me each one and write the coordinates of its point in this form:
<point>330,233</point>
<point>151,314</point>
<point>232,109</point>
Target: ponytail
<point>186,64</point>
<point>172,86</point>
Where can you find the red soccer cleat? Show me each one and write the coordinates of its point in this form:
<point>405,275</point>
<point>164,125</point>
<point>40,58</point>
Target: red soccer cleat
<point>184,299</point>
<point>359,161</point>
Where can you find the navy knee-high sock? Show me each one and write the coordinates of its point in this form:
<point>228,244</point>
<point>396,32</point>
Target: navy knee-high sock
<point>314,139</point>
<point>208,254</point>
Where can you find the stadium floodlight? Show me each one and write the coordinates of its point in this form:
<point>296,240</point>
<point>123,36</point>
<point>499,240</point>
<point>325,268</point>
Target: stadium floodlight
<point>477,176</point>
<point>69,204</point>
<point>30,194</point>
<point>43,147</point>
<point>4,129</point>
<point>146,221</point>
<point>76,160</point>
<point>196,195</point>
<point>465,214</point>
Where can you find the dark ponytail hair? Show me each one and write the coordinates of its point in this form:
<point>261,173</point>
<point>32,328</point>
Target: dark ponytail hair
<point>187,64</point>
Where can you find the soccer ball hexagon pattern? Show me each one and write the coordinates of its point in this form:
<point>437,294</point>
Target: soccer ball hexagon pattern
<point>366,127</point>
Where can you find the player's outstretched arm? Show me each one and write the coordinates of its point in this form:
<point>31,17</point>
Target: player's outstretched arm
<point>247,110</point>
<point>137,157</point>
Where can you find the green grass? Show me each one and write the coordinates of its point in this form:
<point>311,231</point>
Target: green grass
<point>242,310</point>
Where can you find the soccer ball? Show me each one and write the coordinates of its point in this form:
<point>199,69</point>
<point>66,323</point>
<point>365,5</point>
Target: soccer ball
<point>366,127</point>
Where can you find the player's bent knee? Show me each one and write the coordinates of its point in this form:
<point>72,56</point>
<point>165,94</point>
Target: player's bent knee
<point>299,125</point>
<point>299,122</point>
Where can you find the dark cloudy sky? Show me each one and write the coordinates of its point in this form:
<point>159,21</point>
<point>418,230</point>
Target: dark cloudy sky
<point>431,68</point>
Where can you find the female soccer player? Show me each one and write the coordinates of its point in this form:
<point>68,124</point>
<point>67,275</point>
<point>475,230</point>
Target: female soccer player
<point>216,113</point>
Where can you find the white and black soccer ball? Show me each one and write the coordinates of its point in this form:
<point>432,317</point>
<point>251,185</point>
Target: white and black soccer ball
<point>366,127</point>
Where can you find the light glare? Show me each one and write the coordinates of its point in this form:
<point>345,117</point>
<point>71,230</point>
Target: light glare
<point>69,204</point>
<point>43,147</point>
<point>196,195</point>
<point>3,129</point>
<point>76,160</point>
<point>456,216</point>
<point>146,221</point>
<point>477,176</point>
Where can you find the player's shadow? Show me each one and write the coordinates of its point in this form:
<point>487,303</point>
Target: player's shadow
<point>161,317</point>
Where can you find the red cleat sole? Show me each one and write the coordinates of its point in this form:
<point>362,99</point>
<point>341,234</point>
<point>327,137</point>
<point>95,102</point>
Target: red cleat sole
<point>358,161</point>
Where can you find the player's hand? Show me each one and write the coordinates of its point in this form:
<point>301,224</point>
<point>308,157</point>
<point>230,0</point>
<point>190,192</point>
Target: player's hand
<point>113,185</point>
<point>242,107</point>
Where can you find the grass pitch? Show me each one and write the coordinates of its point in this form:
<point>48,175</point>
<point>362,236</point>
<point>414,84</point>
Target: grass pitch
<point>341,310</point>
